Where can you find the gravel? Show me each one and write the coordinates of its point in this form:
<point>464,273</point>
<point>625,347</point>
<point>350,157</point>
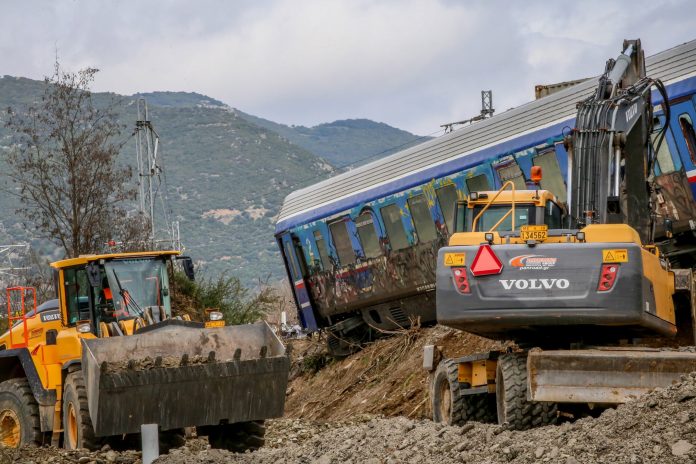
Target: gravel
<point>657,428</point>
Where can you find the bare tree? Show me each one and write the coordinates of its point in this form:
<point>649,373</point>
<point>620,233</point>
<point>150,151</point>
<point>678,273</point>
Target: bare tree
<point>64,163</point>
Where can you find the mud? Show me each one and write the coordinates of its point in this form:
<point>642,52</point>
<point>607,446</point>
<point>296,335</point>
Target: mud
<point>158,362</point>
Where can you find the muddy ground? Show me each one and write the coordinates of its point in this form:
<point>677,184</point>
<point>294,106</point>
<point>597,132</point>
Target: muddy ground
<point>372,408</point>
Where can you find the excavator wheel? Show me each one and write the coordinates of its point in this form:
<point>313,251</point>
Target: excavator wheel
<point>450,405</point>
<point>238,437</point>
<point>19,415</point>
<point>77,425</point>
<point>514,410</point>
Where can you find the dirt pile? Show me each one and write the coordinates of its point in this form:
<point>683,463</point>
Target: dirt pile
<point>386,378</point>
<point>657,428</point>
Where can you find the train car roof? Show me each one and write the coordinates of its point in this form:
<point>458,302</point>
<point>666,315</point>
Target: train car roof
<point>523,127</point>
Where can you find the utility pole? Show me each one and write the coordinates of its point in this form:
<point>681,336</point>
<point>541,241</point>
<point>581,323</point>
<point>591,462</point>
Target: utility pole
<point>149,180</point>
<point>486,112</point>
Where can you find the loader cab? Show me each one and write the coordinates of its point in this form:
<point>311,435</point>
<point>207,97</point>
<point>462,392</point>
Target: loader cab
<point>108,295</point>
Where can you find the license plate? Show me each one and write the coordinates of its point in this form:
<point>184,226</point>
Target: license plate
<point>539,233</point>
<point>210,324</point>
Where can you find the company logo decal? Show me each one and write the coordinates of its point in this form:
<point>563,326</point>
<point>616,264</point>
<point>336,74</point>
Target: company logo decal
<point>48,316</point>
<point>535,262</point>
<point>535,284</point>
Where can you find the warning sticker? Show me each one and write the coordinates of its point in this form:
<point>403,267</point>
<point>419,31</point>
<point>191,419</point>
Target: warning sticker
<point>455,259</point>
<point>615,256</point>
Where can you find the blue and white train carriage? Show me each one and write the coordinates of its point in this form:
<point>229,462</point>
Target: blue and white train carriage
<point>360,247</point>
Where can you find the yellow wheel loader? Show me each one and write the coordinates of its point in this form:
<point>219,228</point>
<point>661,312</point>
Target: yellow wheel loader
<point>107,356</point>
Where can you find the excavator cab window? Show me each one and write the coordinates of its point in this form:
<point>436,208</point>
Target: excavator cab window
<point>524,214</point>
<point>553,215</point>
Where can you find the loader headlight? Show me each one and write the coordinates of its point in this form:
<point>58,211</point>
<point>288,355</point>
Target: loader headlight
<point>84,327</point>
<point>215,315</point>
<point>580,236</point>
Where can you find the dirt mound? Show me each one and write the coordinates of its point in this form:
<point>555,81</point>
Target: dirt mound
<point>657,428</point>
<point>385,378</point>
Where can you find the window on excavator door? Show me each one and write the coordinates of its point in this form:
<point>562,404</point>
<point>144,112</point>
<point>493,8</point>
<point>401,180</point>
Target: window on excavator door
<point>77,295</point>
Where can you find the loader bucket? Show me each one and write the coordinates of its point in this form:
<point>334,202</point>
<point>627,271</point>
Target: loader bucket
<point>178,374</point>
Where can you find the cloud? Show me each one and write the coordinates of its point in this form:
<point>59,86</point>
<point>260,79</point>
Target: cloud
<point>411,64</point>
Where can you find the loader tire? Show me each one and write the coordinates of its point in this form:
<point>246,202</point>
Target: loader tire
<point>19,415</point>
<point>514,410</point>
<point>238,437</point>
<point>77,425</point>
<point>449,403</point>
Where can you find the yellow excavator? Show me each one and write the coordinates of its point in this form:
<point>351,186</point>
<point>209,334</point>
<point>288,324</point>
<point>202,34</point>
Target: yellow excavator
<point>108,355</point>
<point>587,290</point>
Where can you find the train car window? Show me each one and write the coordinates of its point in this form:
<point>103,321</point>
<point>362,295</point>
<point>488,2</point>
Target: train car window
<point>552,215</point>
<point>478,183</point>
<point>391,215</point>
<point>425,227</point>
<point>368,235</point>
<point>513,173</point>
<point>323,252</point>
<point>341,240</point>
<point>664,156</point>
<point>552,179</point>
<point>687,127</point>
<point>447,197</point>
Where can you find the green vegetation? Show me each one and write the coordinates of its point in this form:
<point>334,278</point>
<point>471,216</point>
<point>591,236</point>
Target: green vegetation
<point>225,294</point>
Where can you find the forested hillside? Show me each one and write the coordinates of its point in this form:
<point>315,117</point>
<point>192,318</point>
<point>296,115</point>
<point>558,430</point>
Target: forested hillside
<point>225,172</point>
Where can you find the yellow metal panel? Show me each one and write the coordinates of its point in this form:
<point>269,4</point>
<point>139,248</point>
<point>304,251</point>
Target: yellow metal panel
<point>611,233</point>
<point>616,255</point>
<point>480,373</point>
<point>464,373</point>
<point>455,259</point>
<point>90,258</point>
<point>663,285</point>
<point>537,197</point>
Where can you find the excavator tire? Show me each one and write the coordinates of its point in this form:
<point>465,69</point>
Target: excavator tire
<point>514,410</point>
<point>77,425</point>
<point>19,415</point>
<point>450,405</point>
<point>238,437</point>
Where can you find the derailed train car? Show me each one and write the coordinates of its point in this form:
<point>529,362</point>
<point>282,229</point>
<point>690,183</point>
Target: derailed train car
<point>360,248</point>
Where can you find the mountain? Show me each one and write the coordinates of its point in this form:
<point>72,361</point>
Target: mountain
<point>225,175</point>
<point>344,143</point>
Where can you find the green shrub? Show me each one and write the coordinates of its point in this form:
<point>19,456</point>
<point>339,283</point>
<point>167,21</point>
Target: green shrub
<point>225,294</point>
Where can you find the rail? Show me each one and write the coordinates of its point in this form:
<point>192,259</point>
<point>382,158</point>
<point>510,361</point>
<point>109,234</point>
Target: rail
<point>490,202</point>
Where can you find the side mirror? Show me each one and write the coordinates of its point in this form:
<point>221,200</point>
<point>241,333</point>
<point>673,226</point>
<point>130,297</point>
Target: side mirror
<point>187,265</point>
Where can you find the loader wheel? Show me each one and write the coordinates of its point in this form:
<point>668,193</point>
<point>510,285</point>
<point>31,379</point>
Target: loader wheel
<point>19,415</point>
<point>77,425</point>
<point>238,437</point>
<point>514,410</point>
<point>450,405</point>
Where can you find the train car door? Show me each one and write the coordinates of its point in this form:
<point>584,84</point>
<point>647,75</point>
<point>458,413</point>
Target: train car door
<point>683,124</point>
<point>297,269</point>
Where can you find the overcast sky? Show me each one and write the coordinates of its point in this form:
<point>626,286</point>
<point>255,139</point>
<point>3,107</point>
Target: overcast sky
<point>410,64</point>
